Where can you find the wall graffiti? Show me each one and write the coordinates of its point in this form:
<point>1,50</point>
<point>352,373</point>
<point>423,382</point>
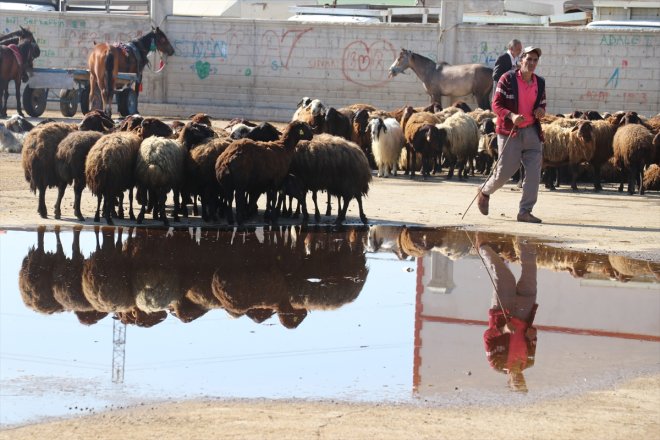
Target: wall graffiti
<point>82,41</point>
<point>627,40</point>
<point>487,55</point>
<point>367,64</point>
<point>278,46</point>
<point>613,81</point>
<point>209,49</point>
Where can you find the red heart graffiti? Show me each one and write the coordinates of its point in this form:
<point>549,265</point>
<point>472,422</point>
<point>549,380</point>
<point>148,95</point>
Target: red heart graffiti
<point>367,64</point>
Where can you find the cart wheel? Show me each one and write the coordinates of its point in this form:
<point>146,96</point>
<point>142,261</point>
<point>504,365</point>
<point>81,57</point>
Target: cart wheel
<point>34,101</point>
<point>127,102</point>
<point>68,102</point>
<point>84,100</point>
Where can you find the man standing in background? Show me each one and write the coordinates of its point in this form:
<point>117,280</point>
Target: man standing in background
<point>507,61</point>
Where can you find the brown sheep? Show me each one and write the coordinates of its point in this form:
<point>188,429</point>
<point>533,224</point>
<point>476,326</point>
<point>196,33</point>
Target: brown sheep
<point>333,164</point>
<point>426,142</point>
<point>652,178</point>
<point>568,146</point>
<point>70,167</point>
<point>109,171</point>
<point>254,167</point>
<point>633,150</point>
<point>201,178</point>
<point>38,158</point>
<point>67,276</point>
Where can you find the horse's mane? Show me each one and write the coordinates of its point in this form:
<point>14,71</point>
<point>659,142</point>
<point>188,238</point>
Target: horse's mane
<point>429,60</point>
<point>14,37</point>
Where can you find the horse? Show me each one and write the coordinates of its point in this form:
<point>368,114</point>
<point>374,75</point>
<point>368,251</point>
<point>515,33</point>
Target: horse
<point>446,80</point>
<point>17,53</point>
<point>106,60</point>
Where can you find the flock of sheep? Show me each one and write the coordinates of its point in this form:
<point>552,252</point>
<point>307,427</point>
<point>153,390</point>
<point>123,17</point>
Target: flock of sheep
<point>322,149</point>
<point>141,280</point>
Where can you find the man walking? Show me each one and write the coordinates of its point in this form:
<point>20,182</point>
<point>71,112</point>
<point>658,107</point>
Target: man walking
<point>519,102</point>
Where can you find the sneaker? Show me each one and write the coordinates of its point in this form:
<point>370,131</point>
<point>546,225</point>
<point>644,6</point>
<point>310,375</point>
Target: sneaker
<point>482,202</point>
<point>527,217</point>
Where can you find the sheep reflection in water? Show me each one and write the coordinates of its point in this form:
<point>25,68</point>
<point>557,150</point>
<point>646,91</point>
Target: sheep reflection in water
<point>142,276</point>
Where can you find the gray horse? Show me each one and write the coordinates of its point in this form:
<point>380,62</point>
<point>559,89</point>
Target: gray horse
<point>446,80</point>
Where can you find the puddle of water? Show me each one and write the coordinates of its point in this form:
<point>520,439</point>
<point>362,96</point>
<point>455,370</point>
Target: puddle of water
<point>93,320</point>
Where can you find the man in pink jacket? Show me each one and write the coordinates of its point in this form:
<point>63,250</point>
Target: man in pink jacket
<point>519,102</point>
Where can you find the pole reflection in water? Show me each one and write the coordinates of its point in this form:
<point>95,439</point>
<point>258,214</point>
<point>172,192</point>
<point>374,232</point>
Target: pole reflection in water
<point>381,313</point>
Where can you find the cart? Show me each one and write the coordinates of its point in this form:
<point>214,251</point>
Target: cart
<point>70,87</point>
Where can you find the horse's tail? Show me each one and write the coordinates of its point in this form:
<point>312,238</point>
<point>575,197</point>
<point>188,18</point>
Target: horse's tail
<point>109,68</point>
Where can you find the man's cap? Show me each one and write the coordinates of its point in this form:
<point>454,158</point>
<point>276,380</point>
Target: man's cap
<point>529,49</point>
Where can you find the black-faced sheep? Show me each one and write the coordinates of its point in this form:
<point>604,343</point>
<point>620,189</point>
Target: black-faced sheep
<point>38,158</point>
<point>18,124</point>
<point>70,167</point>
<point>386,143</point>
<point>333,164</point>
<point>264,132</point>
<point>109,171</point>
<point>633,150</point>
<point>339,123</point>
<point>254,167</point>
<point>96,120</point>
<point>462,141</point>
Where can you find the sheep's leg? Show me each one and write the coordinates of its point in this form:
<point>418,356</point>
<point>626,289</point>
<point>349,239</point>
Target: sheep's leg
<point>394,169</point>
<point>241,206</point>
<point>632,173</point>
<point>177,206</point>
<point>97,216</point>
<point>161,201</point>
<point>412,158</point>
<point>575,170</point>
<point>60,193</point>
<point>597,185</point>
<point>131,215</point>
<point>78,187</point>
<point>140,217</point>
<point>363,217</point>
<point>317,214</point>
<point>328,207</point>
<point>120,205</point>
<point>461,169</point>
<point>195,209</point>
<point>341,216</point>
<point>640,179</point>
<point>108,202</point>
<point>230,215</point>
<point>43,212</point>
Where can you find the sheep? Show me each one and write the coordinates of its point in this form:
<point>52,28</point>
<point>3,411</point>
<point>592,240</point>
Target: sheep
<point>335,165</point>
<point>652,178</point>
<point>633,150</point>
<point>38,158</point>
<point>462,140</point>
<point>109,171</point>
<point>18,124</point>
<point>10,142</point>
<point>70,167</point>
<point>96,120</point>
<point>486,153</point>
<point>313,114</point>
<point>264,132</point>
<point>420,138</point>
<point>201,118</point>
<point>201,178</point>
<point>253,167</point>
<point>159,169</point>
<point>153,127</point>
<point>362,136</point>
<point>67,276</point>
<point>338,123</point>
<point>571,146</point>
<point>603,131</point>
<point>386,143</point>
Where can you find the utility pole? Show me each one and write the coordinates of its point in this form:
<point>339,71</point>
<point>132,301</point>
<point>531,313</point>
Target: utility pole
<point>118,350</point>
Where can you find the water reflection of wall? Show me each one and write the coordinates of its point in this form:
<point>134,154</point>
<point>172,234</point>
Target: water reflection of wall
<point>141,275</point>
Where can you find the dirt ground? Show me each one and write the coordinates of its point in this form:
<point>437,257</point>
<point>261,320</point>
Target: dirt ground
<point>605,222</point>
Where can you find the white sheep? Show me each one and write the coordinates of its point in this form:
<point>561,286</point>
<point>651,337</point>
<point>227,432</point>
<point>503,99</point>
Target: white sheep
<point>159,169</point>
<point>10,142</point>
<point>386,144</point>
<point>462,133</point>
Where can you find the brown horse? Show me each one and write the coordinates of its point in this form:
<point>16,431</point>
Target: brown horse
<point>17,53</point>
<point>446,80</point>
<point>106,60</point>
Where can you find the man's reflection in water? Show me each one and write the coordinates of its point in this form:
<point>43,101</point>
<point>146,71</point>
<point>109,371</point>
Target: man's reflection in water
<point>510,339</point>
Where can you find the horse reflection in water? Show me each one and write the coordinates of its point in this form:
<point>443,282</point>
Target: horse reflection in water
<point>143,275</point>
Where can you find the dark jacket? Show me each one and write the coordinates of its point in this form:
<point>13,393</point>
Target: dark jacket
<point>502,65</point>
<point>505,101</point>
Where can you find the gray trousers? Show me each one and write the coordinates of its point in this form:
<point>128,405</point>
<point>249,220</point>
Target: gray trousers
<point>517,297</point>
<point>524,147</point>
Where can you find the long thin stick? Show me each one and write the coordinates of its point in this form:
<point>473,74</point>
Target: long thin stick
<point>497,293</point>
<point>499,156</point>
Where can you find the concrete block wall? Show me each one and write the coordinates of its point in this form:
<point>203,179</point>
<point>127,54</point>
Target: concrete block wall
<point>259,69</point>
